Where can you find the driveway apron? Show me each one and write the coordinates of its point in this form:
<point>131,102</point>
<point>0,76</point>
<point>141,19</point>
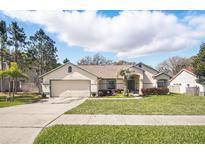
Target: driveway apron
<point>21,124</point>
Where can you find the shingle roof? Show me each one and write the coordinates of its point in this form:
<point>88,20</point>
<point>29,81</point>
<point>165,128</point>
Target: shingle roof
<point>104,71</point>
<point>161,73</point>
<point>190,69</point>
<point>101,71</point>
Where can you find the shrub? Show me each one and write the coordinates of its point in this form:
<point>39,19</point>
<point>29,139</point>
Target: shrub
<point>119,91</point>
<point>43,95</point>
<point>155,91</point>
<point>93,94</point>
<point>105,93</point>
<point>100,93</point>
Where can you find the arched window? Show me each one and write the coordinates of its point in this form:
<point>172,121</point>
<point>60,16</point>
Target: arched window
<point>69,69</point>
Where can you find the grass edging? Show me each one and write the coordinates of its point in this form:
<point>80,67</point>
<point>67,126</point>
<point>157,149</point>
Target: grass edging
<point>107,134</point>
<point>19,100</point>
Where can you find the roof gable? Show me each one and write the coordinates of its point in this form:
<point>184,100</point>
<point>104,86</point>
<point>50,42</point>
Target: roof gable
<point>53,70</point>
<point>147,66</point>
<point>183,70</point>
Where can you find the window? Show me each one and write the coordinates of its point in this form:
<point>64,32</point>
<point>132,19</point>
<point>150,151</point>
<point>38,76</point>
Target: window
<point>111,84</point>
<point>161,83</point>
<point>69,69</point>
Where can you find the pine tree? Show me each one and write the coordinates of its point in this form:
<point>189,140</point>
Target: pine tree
<point>17,40</point>
<point>42,53</point>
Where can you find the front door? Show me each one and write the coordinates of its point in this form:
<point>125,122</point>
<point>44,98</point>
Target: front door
<point>131,86</point>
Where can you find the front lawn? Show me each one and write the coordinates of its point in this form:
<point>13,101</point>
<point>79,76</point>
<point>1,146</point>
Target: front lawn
<point>65,134</point>
<point>164,105</point>
<point>19,99</point>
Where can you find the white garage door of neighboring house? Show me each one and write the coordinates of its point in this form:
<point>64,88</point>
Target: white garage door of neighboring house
<point>70,88</point>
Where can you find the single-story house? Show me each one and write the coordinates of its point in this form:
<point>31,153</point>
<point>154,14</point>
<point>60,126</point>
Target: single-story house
<point>184,79</point>
<point>82,80</point>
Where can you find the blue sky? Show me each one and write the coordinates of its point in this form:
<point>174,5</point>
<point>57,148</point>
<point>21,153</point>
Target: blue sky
<point>76,52</point>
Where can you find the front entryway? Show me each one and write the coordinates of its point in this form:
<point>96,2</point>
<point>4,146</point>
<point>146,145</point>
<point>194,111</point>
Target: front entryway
<point>131,86</point>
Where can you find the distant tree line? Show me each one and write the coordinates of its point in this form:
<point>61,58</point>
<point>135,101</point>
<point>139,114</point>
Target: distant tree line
<point>170,66</point>
<point>98,59</point>
<point>174,64</point>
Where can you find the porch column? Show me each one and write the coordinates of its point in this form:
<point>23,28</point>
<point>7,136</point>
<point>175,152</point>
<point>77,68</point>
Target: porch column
<point>140,84</point>
<point>97,86</point>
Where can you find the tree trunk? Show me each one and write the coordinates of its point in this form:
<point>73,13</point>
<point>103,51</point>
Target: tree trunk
<point>37,82</point>
<point>15,88</point>
<point>9,87</point>
<point>2,88</point>
<point>13,91</point>
<point>16,60</point>
<point>126,89</point>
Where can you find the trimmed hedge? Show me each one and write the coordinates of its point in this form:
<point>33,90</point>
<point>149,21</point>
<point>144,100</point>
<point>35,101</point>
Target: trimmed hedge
<point>155,91</point>
<point>105,93</point>
<point>119,91</point>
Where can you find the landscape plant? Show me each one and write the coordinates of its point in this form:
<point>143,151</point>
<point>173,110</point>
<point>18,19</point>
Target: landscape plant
<point>199,65</point>
<point>13,73</point>
<point>126,73</point>
<point>155,91</point>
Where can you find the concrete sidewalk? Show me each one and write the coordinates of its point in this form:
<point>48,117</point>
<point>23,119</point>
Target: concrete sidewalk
<point>130,120</point>
<point>123,98</point>
<point>21,124</point>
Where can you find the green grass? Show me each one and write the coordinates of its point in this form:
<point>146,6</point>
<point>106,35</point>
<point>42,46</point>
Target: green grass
<point>166,105</point>
<point>19,100</point>
<point>65,134</point>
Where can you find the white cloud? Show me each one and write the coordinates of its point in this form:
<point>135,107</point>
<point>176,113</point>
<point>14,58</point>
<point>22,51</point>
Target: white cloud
<point>130,34</point>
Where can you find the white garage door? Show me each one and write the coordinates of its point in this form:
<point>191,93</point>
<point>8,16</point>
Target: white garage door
<point>70,88</point>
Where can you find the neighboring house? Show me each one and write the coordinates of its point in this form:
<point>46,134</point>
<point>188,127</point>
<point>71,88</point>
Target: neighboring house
<point>5,82</point>
<point>184,79</point>
<point>82,80</point>
<point>30,84</point>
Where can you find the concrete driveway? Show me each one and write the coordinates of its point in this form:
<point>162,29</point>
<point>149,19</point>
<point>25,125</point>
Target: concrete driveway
<point>21,124</point>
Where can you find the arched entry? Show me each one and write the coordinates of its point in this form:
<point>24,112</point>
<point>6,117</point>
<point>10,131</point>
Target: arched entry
<point>133,84</point>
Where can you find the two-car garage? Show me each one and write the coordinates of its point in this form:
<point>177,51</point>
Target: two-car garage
<point>69,80</point>
<point>70,88</point>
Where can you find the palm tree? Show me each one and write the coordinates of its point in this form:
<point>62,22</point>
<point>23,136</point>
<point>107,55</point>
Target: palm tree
<point>13,72</point>
<point>126,73</point>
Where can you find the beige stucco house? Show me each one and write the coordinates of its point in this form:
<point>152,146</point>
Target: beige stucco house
<point>82,80</point>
